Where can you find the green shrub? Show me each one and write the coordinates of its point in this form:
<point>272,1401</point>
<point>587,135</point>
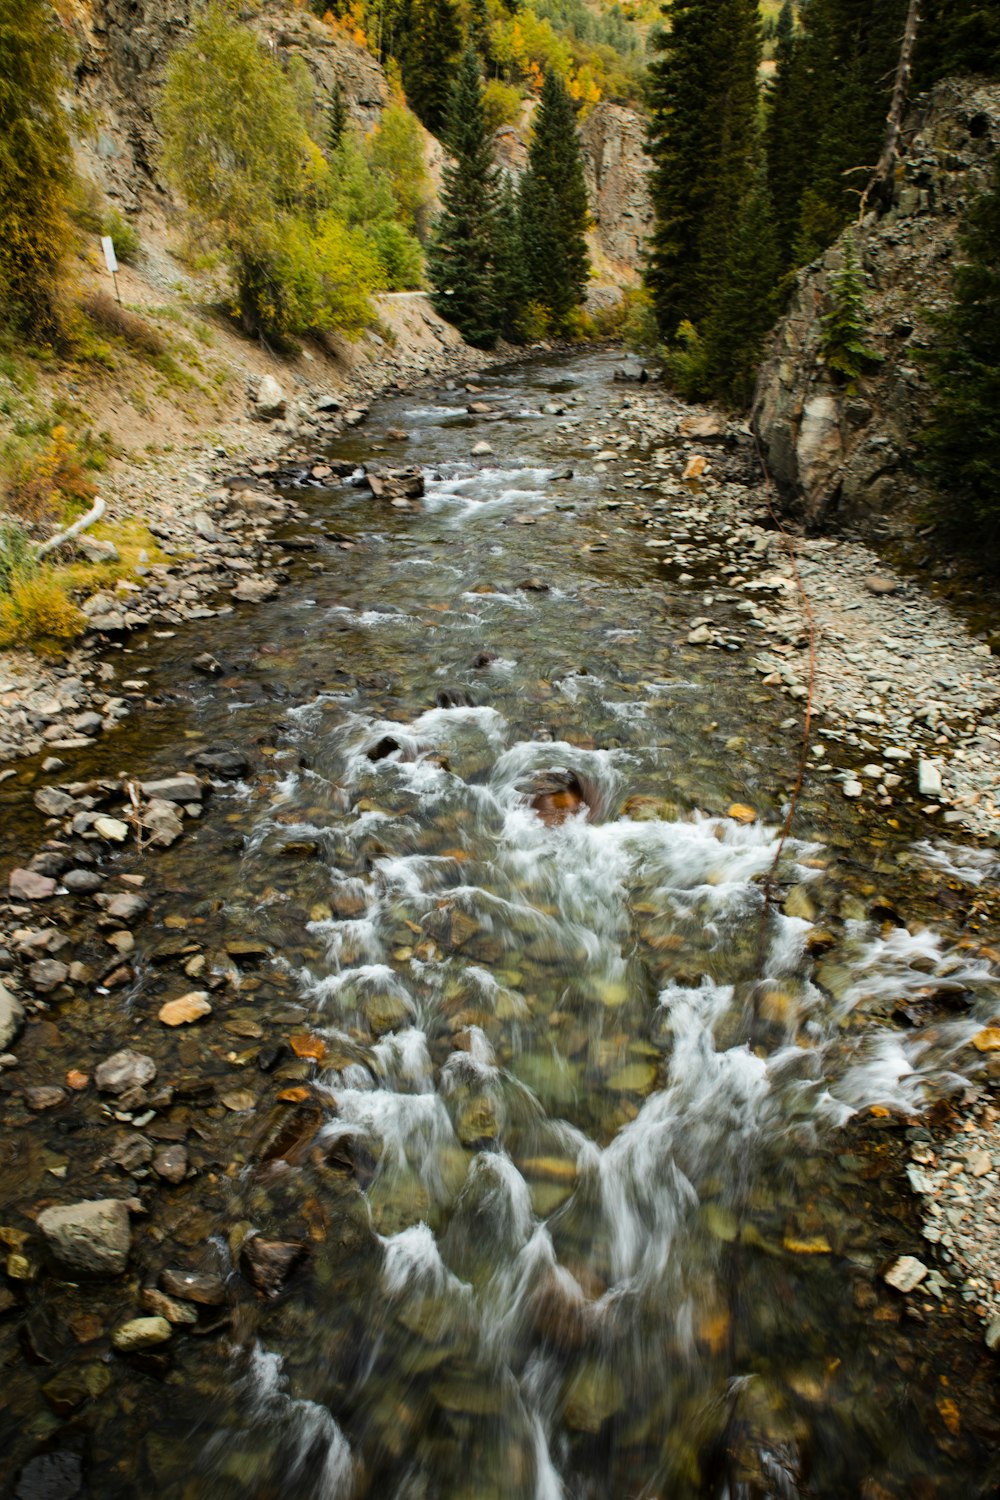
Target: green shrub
<point>37,612</point>
<point>398,254</point>
<point>17,555</point>
<point>501,104</point>
<point>640,330</point>
<point>124,234</point>
<point>685,363</point>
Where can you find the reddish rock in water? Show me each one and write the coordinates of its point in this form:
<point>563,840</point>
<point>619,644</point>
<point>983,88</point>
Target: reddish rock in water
<point>557,796</point>
<point>267,1264</point>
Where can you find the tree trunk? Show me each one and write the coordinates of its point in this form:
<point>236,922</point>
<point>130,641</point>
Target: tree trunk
<point>879,192</point>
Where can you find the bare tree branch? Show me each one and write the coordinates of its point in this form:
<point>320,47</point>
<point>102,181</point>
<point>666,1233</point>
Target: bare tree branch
<point>878,193</point>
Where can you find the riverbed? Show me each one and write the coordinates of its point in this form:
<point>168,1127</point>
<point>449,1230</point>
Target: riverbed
<point>581,1109</point>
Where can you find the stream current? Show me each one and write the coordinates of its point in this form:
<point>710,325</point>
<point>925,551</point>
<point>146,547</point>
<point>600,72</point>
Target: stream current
<point>594,1198</point>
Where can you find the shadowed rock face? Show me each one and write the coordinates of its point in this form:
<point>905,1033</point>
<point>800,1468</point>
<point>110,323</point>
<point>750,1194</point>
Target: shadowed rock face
<point>839,454</point>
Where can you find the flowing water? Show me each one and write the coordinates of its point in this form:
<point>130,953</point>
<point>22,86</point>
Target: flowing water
<point>595,1200</point>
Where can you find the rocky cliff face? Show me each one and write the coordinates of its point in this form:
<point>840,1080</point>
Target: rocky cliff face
<point>616,171</point>
<point>845,457</point>
<point>616,168</point>
<point>123,48</point>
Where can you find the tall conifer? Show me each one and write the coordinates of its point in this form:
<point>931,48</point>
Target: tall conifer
<point>963,438</point>
<point>461,262</point>
<point>747,301</point>
<point>554,213</point>
<point>433,39</point>
<point>703,112</point>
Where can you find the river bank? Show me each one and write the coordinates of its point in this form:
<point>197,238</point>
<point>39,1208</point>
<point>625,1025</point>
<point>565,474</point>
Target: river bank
<point>212,507</point>
<point>906,699</point>
<point>406,1074</point>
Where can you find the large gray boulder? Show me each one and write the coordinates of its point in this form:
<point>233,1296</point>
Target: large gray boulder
<point>11,1017</point>
<point>838,450</point>
<point>88,1239</point>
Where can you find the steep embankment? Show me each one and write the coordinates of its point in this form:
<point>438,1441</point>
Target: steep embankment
<point>846,456</point>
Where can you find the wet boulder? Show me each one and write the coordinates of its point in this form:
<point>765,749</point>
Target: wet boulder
<point>395,484</point>
<point>124,1070</point>
<point>226,764</point>
<point>267,1264</point>
<point>89,1239</point>
<point>557,796</point>
<point>455,697</point>
<point>11,1017</point>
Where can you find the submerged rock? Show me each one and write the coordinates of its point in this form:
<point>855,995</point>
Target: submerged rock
<point>141,1333</point>
<point>92,1238</point>
<point>267,1264</point>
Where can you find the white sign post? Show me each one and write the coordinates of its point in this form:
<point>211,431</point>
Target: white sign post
<point>111,261</point>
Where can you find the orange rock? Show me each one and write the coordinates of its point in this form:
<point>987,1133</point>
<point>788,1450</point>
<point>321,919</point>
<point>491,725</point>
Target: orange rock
<point>185,1009</point>
<point>296,1095</point>
<point>987,1040</point>
<point>305,1045</point>
<point>950,1415</point>
<point>695,467</point>
<point>740,813</point>
<point>77,1080</point>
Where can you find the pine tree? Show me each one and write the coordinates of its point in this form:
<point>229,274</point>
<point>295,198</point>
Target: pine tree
<point>786,134</point>
<point>461,262</point>
<point>432,42</point>
<point>337,118</point>
<point>962,439</point>
<point>479,32</point>
<point>511,280</point>
<point>827,117</point>
<point>554,213</point>
<point>844,325</point>
<point>747,301</point>
<point>957,36</point>
<point>35,167</point>
<point>703,109</point>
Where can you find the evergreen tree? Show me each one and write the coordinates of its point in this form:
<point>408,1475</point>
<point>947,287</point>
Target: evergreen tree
<point>433,38</point>
<point>703,109</point>
<point>337,118</point>
<point>461,261</point>
<point>479,31</point>
<point>844,326</point>
<point>957,36</point>
<point>962,439</point>
<point>747,302</point>
<point>35,167</point>
<point>786,135</point>
<point>827,115</point>
<point>554,213</point>
<point>511,281</point>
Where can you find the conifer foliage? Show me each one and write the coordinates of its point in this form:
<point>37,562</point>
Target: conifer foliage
<point>703,108</point>
<point>553,211</point>
<point>496,253</point>
<point>827,116</point>
<point>462,262</point>
<point>35,166</point>
<point>433,39</point>
<point>962,441</point>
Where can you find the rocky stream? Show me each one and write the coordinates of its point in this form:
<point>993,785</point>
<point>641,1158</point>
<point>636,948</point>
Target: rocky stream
<point>426,1074</point>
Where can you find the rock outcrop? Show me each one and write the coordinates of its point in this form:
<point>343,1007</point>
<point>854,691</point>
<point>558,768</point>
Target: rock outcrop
<point>616,169</point>
<point>843,456</point>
